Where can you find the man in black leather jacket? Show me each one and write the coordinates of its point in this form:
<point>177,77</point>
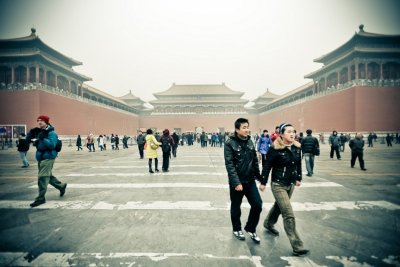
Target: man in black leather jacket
<point>242,167</point>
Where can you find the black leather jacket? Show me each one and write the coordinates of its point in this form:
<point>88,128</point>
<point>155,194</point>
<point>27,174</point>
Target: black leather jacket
<point>285,163</point>
<point>241,161</point>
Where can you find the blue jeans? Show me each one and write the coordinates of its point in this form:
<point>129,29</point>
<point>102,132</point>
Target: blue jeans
<point>309,158</point>
<point>22,156</point>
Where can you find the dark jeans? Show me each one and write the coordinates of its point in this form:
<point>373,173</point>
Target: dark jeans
<point>283,206</point>
<point>174,148</point>
<point>165,163</point>
<point>141,148</point>
<point>335,149</point>
<point>360,156</point>
<point>253,197</point>
<point>309,159</point>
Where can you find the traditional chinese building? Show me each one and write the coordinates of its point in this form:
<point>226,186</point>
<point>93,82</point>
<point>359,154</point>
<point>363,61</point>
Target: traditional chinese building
<point>357,89</point>
<point>36,79</point>
<point>207,107</point>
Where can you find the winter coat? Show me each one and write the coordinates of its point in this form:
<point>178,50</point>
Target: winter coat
<point>285,162</point>
<point>356,145</point>
<point>264,142</point>
<point>151,153</point>
<point>23,145</point>
<point>241,161</point>
<point>334,140</point>
<point>79,141</point>
<point>45,143</point>
<point>309,144</point>
<point>141,139</point>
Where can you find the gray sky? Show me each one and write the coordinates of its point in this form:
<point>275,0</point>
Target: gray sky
<point>145,46</point>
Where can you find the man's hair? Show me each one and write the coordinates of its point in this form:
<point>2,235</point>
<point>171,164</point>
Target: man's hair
<point>240,121</point>
<point>265,131</point>
<point>276,127</point>
<point>309,131</point>
<point>149,131</point>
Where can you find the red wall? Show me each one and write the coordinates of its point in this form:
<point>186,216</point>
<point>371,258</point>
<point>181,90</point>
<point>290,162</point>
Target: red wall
<point>356,109</point>
<point>69,117</point>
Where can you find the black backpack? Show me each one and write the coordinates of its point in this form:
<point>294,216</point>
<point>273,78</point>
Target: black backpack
<point>165,145</point>
<point>58,145</point>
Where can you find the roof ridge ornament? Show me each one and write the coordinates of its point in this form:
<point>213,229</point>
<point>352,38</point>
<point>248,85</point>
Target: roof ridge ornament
<point>361,27</point>
<point>33,31</point>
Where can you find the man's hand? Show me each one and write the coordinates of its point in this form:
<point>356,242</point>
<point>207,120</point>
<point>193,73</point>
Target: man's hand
<point>262,187</point>
<point>298,183</point>
<point>239,187</point>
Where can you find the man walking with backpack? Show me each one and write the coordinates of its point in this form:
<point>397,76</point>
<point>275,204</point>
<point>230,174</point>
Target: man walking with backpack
<point>166,143</point>
<point>46,145</point>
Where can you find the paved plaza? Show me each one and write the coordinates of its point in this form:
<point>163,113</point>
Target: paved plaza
<point>115,213</point>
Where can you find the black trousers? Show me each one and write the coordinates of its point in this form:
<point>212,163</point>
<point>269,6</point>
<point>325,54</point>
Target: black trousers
<point>141,148</point>
<point>335,149</point>
<point>253,197</point>
<point>165,162</point>
<point>360,156</point>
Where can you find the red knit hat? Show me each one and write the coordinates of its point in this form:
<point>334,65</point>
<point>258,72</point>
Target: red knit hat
<point>44,118</point>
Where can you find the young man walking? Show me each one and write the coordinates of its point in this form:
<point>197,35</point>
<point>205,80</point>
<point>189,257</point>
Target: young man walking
<point>45,142</point>
<point>242,166</point>
<point>310,148</point>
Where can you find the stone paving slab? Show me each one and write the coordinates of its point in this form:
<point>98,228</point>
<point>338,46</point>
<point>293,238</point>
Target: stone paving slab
<point>116,214</point>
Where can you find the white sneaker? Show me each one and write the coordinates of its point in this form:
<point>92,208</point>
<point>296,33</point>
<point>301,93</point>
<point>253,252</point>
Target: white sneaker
<point>239,235</point>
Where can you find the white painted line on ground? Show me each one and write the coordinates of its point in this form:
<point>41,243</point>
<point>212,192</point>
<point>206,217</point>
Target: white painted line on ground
<point>300,262</point>
<point>146,174</point>
<point>348,261</point>
<point>177,185</point>
<point>95,259</point>
<point>195,205</point>
<point>146,166</point>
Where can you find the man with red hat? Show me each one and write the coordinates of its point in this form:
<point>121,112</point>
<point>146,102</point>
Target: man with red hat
<point>46,140</point>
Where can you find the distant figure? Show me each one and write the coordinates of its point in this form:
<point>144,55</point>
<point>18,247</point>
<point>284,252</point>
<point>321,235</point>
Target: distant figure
<point>370,140</point>
<point>79,142</point>
<point>140,140</point>
<point>166,143</point>
<point>275,134</point>
<point>264,142</point>
<point>116,142</point>
<point>357,151</point>
<point>334,141</point>
<point>310,149</point>
<point>343,141</point>
<point>175,146</point>
<point>23,147</point>
<point>388,140</point>
<point>151,150</point>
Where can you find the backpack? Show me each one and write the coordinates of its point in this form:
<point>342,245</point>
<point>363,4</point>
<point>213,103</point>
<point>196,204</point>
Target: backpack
<point>165,145</point>
<point>58,145</point>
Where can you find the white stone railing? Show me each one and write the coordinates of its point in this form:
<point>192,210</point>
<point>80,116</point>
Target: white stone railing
<point>58,91</point>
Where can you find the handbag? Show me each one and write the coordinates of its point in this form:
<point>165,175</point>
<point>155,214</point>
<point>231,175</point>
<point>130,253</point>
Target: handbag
<point>153,145</point>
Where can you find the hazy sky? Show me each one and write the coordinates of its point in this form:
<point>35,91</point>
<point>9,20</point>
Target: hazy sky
<point>145,46</point>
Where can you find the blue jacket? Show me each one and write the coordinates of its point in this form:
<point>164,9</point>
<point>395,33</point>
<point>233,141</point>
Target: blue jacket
<point>45,143</point>
<point>263,144</point>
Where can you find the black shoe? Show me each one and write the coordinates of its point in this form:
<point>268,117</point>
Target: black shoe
<point>25,166</point>
<point>62,190</point>
<point>37,203</point>
<point>254,237</point>
<point>272,230</point>
<point>364,169</point>
<point>157,170</point>
<point>151,171</point>
<point>239,235</point>
<point>300,252</point>
<point>352,166</point>
<point>308,174</point>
